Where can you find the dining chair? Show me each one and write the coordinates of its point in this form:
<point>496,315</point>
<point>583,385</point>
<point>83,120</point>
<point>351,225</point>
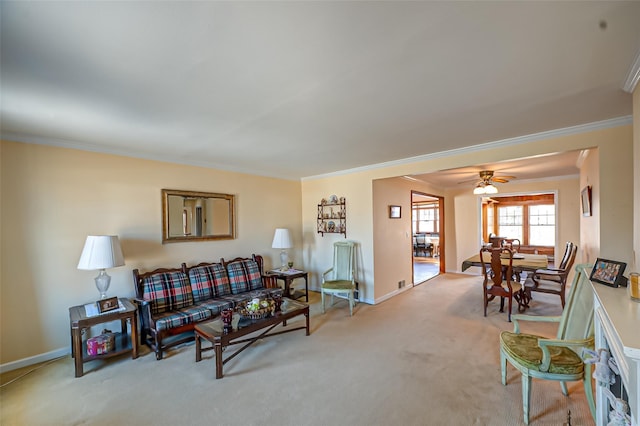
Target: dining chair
<point>339,280</point>
<point>512,243</point>
<point>553,280</point>
<point>498,277</point>
<point>554,359</point>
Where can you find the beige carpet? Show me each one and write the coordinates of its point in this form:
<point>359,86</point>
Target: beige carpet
<point>425,357</point>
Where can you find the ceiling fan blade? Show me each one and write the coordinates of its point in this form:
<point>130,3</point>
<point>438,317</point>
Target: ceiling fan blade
<point>499,180</point>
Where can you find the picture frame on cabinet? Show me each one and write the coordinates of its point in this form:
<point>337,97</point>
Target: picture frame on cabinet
<point>608,272</point>
<point>395,212</point>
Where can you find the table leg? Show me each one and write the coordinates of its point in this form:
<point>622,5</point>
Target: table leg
<point>134,336</point>
<point>77,350</point>
<point>306,287</point>
<point>198,348</point>
<point>307,320</point>
<point>218,350</point>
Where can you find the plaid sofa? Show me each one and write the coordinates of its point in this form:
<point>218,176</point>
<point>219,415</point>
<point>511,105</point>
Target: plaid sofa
<point>171,301</point>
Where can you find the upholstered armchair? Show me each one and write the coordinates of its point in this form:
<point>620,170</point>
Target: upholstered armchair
<point>554,359</point>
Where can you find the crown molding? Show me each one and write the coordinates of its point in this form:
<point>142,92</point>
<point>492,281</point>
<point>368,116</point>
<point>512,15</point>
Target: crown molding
<point>534,137</point>
<point>633,75</point>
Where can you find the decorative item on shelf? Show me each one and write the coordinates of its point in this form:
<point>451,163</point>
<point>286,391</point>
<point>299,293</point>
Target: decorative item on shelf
<point>634,286</point>
<point>608,272</point>
<point>332,216</point>
<point>106,305</point>
<point>102,344</point>
<point>282,240</point>
<point>101,252</point>
<point>257,308</point>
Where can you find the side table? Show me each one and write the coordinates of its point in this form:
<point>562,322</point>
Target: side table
<point>288,278</point>
<point>125,342</point>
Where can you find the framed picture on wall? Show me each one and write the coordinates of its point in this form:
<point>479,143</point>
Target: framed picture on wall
<point>608,272</point>
<point>394,212</point>
<point>585,197</point>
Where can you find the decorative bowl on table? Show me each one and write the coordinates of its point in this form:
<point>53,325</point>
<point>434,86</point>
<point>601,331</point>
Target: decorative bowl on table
<point>257,308</point>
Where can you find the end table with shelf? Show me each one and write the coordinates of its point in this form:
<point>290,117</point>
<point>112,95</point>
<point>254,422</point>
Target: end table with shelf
<point>124,342</point>
<point>288,277</point>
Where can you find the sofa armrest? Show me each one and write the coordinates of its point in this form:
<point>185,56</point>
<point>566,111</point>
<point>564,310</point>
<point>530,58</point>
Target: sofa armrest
<point>269,281</point>
<point>144,312</point>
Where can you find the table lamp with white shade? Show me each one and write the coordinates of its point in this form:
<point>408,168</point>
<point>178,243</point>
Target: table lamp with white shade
<point>101,252</point>
<point>282,240</point>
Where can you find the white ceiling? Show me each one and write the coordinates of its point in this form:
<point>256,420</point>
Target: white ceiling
<point>298,89</point>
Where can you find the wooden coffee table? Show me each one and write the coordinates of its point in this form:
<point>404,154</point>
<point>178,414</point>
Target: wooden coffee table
<point>213,331</point>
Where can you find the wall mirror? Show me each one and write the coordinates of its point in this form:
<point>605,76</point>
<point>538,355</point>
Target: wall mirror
<point>197,216</point>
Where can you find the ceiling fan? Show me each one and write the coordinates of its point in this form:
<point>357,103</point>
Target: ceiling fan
<point>486,183</point>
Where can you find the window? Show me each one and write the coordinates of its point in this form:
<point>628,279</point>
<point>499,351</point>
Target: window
<point>529,218</point>
<point>542,225</point>
<point>510,222</point>
<point>426,218</point>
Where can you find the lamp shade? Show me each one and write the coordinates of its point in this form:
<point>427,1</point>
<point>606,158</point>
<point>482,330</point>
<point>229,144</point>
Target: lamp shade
<point>282,239</point>
<point>101,252</point>
<point>490,189</point>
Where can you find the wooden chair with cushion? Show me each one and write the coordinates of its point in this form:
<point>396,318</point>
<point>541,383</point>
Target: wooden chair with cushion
<point>553,280</point>
<point>554,359</point>
<point>339,280</point>
<point>498,278</point>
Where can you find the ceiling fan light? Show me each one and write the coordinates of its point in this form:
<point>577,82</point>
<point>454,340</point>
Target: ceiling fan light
<point>479,190</point>
<point>490,189</point>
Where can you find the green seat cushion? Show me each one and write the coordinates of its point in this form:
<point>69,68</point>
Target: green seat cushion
<point>338,285</point>
<point>524,348</point>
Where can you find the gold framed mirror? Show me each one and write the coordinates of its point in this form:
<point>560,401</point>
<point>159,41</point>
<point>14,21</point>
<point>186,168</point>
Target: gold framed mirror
<point>197,216</point>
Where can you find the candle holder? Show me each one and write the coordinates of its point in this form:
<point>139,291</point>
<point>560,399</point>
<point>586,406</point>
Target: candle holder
<point>227,318</point>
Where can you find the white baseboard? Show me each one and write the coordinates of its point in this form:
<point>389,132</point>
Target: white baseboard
<point>36,359</point>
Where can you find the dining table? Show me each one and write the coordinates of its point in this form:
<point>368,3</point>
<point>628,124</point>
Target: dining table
<point>521,261</point>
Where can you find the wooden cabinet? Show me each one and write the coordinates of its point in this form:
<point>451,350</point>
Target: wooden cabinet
<point>332,216</point>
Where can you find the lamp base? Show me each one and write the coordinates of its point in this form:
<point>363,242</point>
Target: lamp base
<point>103,280</point>
<point>284,259</point>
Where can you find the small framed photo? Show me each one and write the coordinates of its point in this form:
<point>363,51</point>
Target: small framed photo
<point>608,272</point>
<point>394,212</point>
<point>585,197</point>
<point>106,305</point>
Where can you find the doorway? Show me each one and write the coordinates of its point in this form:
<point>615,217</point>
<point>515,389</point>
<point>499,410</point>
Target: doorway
<point>427,229</point>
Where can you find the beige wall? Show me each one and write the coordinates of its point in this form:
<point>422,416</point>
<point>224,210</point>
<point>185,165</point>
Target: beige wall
<point>392,238</point>
<point>52,198</point>
<point>590,225</point>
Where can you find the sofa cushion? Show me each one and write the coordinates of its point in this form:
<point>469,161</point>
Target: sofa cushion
<point>167,291</point>
<point>216,305</point>
<point>182,317</point>
<point>209,281</point>
<point>244,275</point>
